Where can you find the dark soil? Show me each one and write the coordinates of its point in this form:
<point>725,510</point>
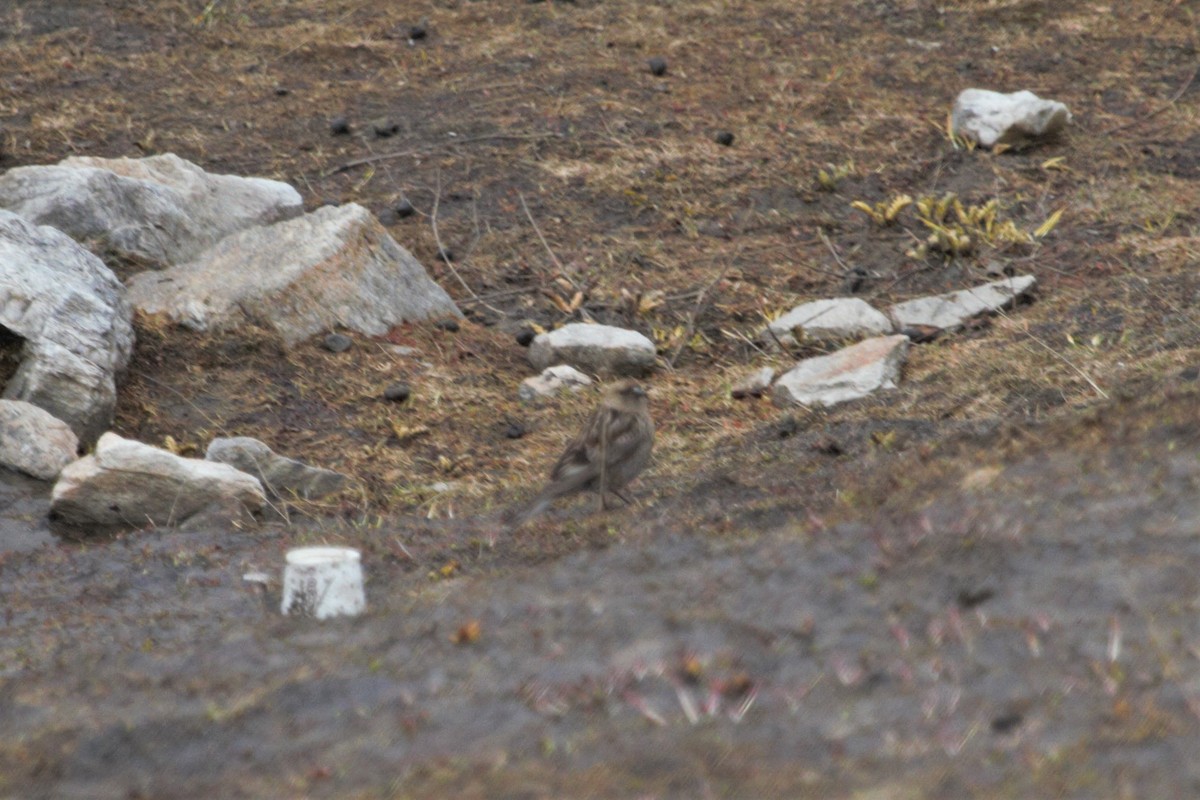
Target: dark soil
<point>981,584</point>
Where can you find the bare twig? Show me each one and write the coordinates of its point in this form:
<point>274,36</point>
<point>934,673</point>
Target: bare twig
<point>433,222</point>
<point>557,264</point>
<point>832,251</point>
<point>691,326</point>
<point>1175,97</point>
<point>1061,358</point>
<point>497,295</point>
<point>427,148</point>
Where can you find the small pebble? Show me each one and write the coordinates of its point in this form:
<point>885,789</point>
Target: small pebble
<point>337,343</point>
<point>515,430</point>
<point>658,65</point>
<point>853,280</point>
<point>724,138</point>
<point>404,209</point>
<point>387,217</point>
<point>447,325</point>
<point>385,127</point>
<point>525,336</point>
<point>339,126</point>
<point>397,392</point>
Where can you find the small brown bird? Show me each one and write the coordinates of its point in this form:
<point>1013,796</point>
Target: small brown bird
<point>612,449</point>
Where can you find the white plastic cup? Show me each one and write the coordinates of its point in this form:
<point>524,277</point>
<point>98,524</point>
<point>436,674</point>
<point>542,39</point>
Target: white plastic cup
<point>323,582</point>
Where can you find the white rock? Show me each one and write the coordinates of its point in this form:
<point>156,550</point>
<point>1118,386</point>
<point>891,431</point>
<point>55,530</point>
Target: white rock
<point>952,310</point>
<point>334,267</point>
<point>991,118</point>
<point>850,373</point>
<point>280,476</point>
<point>127,484</point>
<point>551,381</point>
<point>76,322</point>
<point>161,210</point>
<point>755,384</point>
<point>836,318</point>
<point>34,441</point>
<point>595,348</point>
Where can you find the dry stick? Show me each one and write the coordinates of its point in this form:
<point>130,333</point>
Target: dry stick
<point>557,264</point>
<point>497,295</point>
<point>433,221</point>
<point>691,326</point>
<point>1186,85</point>
<point>425,148</point>
<point>832,251</point>
<point>1060,357</point>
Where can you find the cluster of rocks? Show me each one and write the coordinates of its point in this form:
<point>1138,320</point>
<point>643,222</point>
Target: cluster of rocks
<point>208,252</point>
<point>986,118</point>
<point>216,251</point>
<point>855,371</point>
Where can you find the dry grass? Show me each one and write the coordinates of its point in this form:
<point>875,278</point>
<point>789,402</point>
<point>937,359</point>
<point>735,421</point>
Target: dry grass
<point>552,104</point>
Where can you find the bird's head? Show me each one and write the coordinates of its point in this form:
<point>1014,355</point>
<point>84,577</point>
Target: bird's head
<point>627,393</point>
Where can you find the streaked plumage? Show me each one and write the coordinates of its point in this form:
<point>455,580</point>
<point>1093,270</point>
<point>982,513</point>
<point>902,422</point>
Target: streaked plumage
<point>612,449</point>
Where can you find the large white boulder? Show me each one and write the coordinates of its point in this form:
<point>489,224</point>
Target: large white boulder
<point>596,348</point>
<point>336,266</point>
<point>159,210</point>
<point>127,485</point>
<point>72,313</point>
<point>992,118</point>
<point>34,441</point>
<point>952,310</point>
<point>850,373</point>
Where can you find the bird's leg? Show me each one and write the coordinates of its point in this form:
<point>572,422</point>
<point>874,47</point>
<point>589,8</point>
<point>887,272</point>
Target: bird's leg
<point>622,495</point>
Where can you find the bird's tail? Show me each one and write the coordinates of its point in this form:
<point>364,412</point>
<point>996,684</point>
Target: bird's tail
<point>535,507</point>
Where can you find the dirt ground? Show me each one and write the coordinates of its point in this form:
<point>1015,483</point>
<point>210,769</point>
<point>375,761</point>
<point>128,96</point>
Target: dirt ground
<point>981,584</point>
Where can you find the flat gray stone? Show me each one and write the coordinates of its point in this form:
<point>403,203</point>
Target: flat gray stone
<point>834,318</point>
<point>280,476</point>
<point>594,348</point>
<point>849,374</point>
<point>952,310</point>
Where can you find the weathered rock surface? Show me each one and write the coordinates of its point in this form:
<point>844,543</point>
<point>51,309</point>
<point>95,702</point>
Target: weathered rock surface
<point>596,348</point>
<point>34,441</point>
<point>835,318</point>
<point>76,322</point>
<point>127,484</point>
<point>754,385</point>
<point>952,310</point>
<point>160,210</point>
<point>992,118</point>
<point>551,381</point>
<point>334,267</point>
<point>850,373</point>
<point>280,476</point>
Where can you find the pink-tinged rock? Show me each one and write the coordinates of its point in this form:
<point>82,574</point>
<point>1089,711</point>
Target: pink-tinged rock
<point>849,374</point>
